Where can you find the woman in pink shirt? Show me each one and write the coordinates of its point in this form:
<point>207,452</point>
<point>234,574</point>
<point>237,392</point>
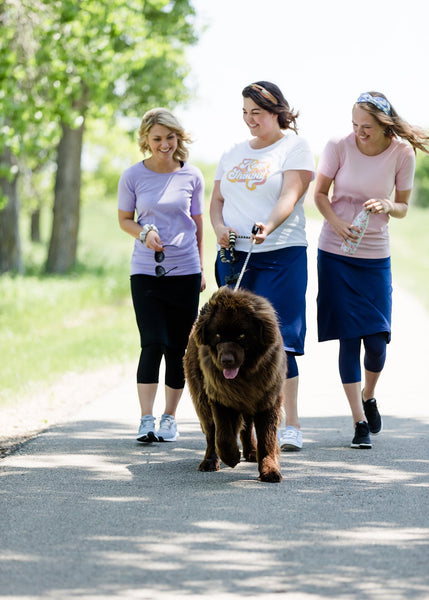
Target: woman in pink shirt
<point>372,172</point>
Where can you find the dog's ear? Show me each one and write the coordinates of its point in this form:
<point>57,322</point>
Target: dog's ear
<point>200,325</point>
<point>266,323</point>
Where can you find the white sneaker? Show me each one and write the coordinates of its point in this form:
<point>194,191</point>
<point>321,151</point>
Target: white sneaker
<point>146,433</point>
<point>167,431</point>
<point>290,439</point>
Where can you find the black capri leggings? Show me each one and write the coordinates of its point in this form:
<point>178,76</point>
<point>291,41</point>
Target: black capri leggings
<point>165,309</point>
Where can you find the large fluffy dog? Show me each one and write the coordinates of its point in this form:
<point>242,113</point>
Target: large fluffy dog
<point>235,366</point>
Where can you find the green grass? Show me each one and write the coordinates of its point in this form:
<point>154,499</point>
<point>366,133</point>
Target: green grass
<point>50,325</point>
<point>410,252</point>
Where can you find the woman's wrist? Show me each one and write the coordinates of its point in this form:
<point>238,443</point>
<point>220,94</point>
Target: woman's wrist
<point>145,231</point>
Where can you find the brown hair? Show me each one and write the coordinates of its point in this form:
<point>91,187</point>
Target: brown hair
<point>268,96</point>
<point>162,116</point>
<point>393,124</point>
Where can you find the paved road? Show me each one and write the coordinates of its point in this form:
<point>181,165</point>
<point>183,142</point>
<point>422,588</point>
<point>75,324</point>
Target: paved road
<point>87,513</point>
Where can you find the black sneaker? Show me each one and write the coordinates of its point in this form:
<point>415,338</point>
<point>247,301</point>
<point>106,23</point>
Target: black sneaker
<point>361,439</point>
<point>372,415</point>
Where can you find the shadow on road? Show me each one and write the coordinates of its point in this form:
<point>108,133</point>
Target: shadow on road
<point>89,513</point>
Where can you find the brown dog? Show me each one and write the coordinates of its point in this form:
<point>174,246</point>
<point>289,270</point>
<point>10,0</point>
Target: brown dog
<point>235,366</point>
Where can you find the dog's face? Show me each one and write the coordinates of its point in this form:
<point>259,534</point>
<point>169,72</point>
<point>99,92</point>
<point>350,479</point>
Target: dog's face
<point>236,329</point>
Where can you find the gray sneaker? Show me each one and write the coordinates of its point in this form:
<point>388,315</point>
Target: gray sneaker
<point>146,433</point>
<point>290,439</point>
<point>167,431</point>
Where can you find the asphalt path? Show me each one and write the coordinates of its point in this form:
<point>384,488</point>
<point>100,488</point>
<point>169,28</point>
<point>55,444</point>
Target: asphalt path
<point>88,513</point>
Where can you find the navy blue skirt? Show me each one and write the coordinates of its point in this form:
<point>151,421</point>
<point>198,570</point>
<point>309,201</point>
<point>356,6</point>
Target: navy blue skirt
<point>355,296</point>
<point>281,277</point>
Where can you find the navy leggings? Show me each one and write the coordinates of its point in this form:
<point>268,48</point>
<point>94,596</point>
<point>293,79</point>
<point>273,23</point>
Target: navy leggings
<point>349,356</point>
<point>292,367</point>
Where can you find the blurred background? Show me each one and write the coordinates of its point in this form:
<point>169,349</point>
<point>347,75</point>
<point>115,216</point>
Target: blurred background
<point>75,80</point>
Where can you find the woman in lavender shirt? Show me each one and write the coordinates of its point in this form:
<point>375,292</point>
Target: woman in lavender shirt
<point>160,204</point>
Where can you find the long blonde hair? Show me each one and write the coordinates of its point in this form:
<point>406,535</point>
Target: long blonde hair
<point>162,116</point>
<point>393,124</point>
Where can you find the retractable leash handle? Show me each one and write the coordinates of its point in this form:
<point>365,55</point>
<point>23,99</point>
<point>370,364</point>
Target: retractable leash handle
<point>231,248</point>
<point>255,230</point>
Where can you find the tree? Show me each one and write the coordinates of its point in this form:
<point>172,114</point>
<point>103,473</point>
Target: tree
<point>421,182</point>
<point>86,58</point>
<point>112,57</point>
<point>22,139</point>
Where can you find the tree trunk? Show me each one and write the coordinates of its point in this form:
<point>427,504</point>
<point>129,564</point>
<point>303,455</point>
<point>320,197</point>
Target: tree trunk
<point>65,227</point>
<point>10,243</point>
<point>35,225</point>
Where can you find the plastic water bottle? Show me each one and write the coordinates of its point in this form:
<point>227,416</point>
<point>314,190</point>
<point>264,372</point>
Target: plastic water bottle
<point>360,223</point>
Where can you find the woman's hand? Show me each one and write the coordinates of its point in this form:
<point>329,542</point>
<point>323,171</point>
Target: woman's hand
<point>203,282</point>
<point>378,206</point>
<point>343,229</point>
<point>222,235</point>
<point>153,241</point>
<point>261,235</point>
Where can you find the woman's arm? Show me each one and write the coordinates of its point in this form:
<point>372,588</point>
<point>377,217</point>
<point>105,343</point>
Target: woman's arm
<point>129,225</point>
<point>321,198</point>
<point>397,209</point>
<point>198,220</point>
<point>295,184</point>
<point>216,217</point>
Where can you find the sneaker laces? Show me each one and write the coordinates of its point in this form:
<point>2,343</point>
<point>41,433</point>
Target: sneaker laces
<point>167,422</point>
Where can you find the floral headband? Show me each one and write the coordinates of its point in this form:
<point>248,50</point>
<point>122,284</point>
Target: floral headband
<point>381,103</point>
<point>268,95</point>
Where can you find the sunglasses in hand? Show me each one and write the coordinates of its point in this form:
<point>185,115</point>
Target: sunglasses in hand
<point>159,258</point>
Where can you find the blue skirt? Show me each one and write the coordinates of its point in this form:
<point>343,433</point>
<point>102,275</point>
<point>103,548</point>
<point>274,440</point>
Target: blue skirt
<point>355,296</point>
<point>281,277</point>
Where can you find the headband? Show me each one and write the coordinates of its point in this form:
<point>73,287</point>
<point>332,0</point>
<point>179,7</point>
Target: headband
<point>268,95</point>
<point>381,103</point>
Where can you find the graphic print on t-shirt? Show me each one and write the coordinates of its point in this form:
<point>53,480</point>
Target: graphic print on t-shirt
<point>250,171</point>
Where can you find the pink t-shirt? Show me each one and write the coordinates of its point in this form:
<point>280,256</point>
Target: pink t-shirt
<point>358,178</point>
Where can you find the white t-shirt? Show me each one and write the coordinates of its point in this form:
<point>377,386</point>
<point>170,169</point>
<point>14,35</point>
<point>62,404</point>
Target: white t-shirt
<point>250,184</point>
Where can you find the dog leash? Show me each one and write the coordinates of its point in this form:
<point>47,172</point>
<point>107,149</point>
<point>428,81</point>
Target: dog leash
<point>255,230</point>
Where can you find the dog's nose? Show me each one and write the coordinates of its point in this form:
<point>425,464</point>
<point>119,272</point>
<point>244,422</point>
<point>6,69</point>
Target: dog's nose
<point>227,360</point>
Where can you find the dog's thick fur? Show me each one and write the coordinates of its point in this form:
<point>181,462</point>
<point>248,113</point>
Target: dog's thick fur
<point>235,366</point>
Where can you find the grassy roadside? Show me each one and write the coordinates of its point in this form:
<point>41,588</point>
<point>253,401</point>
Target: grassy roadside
<point>53,325</point>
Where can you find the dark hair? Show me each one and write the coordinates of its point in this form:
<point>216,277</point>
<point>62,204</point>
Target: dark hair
<point>393,124</point>
<point>268,96</point>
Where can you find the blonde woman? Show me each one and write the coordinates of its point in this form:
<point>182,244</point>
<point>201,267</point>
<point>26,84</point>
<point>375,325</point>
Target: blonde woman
<point>160,205</point>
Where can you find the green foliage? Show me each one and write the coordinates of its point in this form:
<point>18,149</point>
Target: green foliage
<point>410,252</point>
<point>421,181</point>
<point>50,325</point>
<point>62,60</point>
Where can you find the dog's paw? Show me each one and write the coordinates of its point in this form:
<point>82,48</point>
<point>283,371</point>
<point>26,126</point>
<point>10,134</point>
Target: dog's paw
<point>273,476</point>
<point>209,465</point>
<point>250,456</point>
<point>231,459</point>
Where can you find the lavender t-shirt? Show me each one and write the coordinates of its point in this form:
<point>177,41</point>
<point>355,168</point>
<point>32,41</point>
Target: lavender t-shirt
<point>357,178</point>
<point>166,200</point>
